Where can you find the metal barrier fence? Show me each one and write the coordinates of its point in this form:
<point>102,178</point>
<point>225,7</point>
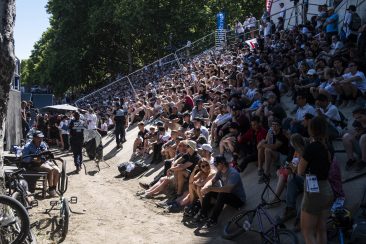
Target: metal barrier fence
<point>152,72</point>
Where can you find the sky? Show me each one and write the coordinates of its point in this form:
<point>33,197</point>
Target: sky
<point>31,21</point>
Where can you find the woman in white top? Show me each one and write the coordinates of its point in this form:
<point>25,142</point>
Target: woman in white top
<point>103,128</point>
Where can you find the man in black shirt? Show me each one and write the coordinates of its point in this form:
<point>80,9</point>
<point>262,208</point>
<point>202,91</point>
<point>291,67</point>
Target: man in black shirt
<point>76,128</point>
<point>121,122</point>
<point>183,167</point>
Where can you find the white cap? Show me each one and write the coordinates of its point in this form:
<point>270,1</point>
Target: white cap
<point>311,72</point>
<point>206,147</point>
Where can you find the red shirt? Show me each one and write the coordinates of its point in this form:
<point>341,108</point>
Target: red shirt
<point>189,101</point>
<point>248,136</point>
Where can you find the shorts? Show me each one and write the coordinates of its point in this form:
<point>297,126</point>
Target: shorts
<point>316,203</point>
<point>46,166</point>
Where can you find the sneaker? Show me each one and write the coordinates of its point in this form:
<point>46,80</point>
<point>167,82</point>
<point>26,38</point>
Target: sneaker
<point>350,164</point>
<point>360,166</point>
<point>289,213</point>
<point>260,172</point>
<point>140,193</point>
<point>144,185</point>
<point>52,193</point>
<point>200,218</point>
<point>210,224</point>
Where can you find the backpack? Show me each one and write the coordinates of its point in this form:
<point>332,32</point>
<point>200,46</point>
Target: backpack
<point>131,169</point>
<point>355,22</point>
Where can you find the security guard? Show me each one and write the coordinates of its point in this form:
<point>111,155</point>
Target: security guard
<point>76,128</point>
<point>121,122</point>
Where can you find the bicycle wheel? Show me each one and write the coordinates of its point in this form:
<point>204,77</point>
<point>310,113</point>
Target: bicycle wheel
<point>14,221</point>
<point>239,224</point>
<point>63,179</point>
<point>65,216</point>
<point>282,236</point>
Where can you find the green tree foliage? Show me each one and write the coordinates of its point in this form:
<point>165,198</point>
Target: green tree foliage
<point>90,41</point>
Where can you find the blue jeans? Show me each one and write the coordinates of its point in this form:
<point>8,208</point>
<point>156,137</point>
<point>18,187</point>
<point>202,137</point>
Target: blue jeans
<point>294,187</point>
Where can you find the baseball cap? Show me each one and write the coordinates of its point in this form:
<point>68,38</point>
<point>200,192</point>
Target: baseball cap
<point>38,133</point>
<point>207,147</point>
<point>191,144</point>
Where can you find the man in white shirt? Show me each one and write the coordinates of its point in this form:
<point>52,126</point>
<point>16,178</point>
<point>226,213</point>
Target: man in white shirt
<point>353,83</point>
<point>91,120</point>
<point>64,128</point>
<point>303,108</point>
<point>351,35</point>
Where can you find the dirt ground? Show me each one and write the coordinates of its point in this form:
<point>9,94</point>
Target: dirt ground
<point>108,210</point>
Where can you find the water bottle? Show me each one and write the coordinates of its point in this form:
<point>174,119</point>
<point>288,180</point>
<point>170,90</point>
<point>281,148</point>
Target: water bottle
<point>270,136</point>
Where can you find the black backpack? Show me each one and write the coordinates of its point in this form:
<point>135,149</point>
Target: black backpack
<point>355,22</point>
<point>130,170</point>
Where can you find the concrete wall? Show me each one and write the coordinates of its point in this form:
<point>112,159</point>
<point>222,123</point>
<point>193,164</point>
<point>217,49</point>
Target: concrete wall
<point>13,131</point>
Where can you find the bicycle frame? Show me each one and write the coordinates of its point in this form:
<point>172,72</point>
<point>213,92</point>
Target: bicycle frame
<point>259,213</point>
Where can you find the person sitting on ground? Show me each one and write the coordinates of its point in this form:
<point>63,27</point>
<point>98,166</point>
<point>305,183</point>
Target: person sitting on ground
<point>248,142</point>
<point>231,192</point>
<point>103,130</point>
<point>38,146</point>
<point>229,141</point>
<point>140,144</point>
<point>286,172</point>
<point>198,128</point>
<point>162,136</point>
<point>352,84</point>
<point>169,148</point>
<point>182,169</point>
<point>355,142</point>
<point>199,111</point>
<point>331,114</point>
<point>271,150</point>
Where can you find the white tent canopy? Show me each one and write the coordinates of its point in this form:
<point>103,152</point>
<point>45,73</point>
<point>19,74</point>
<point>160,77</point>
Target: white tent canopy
<point>63,107</point>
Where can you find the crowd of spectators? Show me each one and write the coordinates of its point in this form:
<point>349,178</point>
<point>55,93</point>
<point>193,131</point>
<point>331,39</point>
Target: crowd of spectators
<point>229,104</point>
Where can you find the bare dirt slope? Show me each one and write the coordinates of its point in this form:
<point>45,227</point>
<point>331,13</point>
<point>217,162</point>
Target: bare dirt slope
<point>110,211</point>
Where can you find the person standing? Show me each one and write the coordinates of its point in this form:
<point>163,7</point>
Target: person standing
<point>64,127</point>
<point>92,120</point>
<point>76,129</point>
<point>121,122</point>
<point>318,195</point>
<point>331,25</point>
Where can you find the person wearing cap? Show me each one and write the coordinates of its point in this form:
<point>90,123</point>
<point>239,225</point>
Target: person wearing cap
<point>231,192</point>
<point>182,168</point>
<point>76,129</point>
<point>37,146</point>
<point>205,151</point>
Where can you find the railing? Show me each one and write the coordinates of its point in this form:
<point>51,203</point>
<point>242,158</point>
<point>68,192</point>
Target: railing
<point>138,78</point>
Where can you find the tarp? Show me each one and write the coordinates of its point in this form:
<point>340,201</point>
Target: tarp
<point>60,107</point>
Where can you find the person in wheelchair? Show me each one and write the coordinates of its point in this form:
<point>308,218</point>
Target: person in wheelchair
<point>40,163</point>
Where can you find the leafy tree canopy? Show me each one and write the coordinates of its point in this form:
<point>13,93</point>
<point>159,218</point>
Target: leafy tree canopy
<point>89,41</point>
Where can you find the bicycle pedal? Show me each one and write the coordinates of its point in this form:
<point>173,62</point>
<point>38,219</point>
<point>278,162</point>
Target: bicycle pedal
<point>73,200</point>
<point>53,203</point>
<point>34,203</point>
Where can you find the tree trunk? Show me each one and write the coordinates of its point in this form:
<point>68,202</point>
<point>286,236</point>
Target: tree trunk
<point>7,64</point>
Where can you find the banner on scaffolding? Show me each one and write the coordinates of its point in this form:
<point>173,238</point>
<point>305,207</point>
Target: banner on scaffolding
<point>269,5</point>
<point>252,43</point>
<point>220,20</point>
